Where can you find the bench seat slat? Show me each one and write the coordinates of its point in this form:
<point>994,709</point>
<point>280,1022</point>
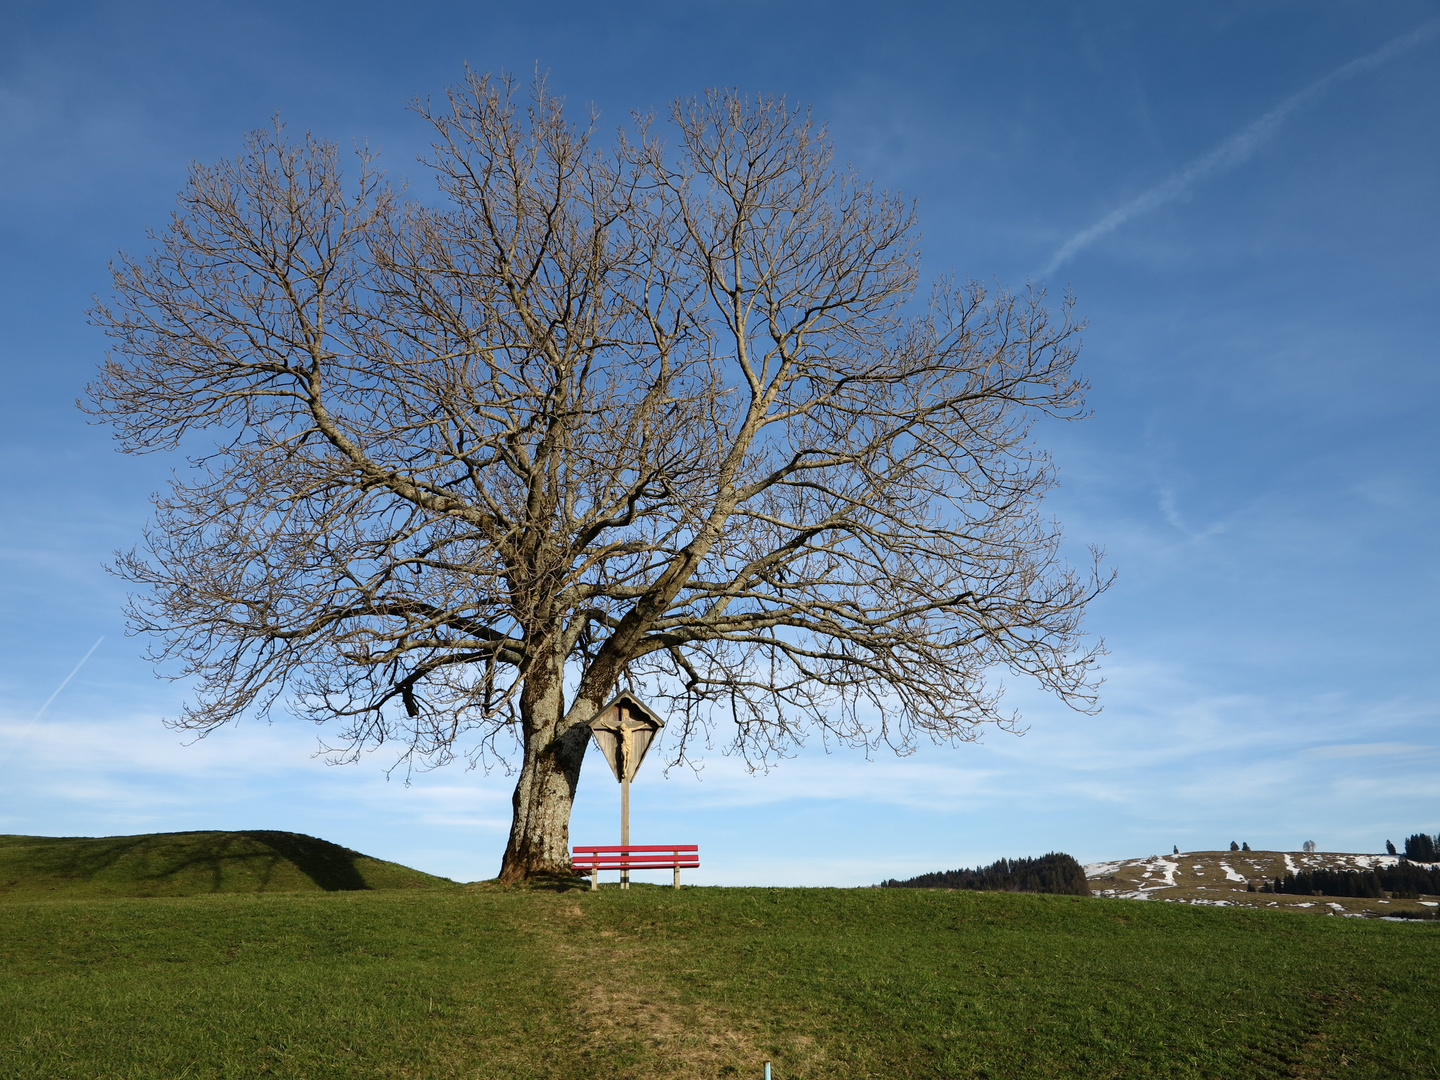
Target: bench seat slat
<point>651,856</point>
<point>607,860</point>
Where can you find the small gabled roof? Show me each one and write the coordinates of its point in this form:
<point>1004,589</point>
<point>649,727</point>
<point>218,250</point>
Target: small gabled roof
<point>624,730</point>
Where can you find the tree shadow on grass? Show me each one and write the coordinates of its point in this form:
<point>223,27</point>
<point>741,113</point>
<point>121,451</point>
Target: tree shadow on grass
<point>558,882</point>
<point>328,865</point>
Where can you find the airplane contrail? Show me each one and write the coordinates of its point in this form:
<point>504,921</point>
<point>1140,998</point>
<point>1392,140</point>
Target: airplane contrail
<point>1236,149</point>
<point>66,681</point>
<point>55,694</point>
<point>63,683</point>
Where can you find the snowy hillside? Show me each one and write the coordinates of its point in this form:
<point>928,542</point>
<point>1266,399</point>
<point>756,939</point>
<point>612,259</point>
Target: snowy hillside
<point>1223,878</point>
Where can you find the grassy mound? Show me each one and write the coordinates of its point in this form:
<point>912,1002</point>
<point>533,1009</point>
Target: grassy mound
<point>672,985</point>
<point>187,863</point>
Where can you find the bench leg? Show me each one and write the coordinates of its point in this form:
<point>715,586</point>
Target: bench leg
<point>677,877</point>
<point>594,878</point>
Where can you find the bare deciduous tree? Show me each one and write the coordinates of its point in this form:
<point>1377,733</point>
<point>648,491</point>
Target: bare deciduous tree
<point>667,417</point>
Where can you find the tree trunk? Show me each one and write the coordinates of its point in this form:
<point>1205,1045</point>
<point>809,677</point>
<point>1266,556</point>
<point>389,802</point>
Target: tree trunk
<point>539,844</point>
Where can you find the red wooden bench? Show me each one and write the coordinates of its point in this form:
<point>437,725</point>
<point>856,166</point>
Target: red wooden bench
<point>627,857</point>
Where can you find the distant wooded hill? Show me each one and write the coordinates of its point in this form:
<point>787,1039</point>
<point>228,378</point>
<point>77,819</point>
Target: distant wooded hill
<point>1052,873</point>
<point>1404,881</point>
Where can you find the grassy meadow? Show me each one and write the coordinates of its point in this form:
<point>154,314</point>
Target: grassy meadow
<point>451,981</point>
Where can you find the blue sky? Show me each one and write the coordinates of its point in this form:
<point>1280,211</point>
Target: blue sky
<point>1243,197</point>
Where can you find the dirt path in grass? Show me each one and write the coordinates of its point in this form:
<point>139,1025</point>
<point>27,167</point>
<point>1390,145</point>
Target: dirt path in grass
<point>630,1016</point>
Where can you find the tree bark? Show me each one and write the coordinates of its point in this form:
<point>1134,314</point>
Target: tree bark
<point>539,844</point>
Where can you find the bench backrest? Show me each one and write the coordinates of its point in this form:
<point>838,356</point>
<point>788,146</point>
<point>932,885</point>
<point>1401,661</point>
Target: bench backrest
<point>636,856</point>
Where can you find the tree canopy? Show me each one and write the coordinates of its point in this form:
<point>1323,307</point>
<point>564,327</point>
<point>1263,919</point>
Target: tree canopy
<point>658,413</point>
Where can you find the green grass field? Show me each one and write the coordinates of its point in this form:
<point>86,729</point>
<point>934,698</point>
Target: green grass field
<point>480,982</point>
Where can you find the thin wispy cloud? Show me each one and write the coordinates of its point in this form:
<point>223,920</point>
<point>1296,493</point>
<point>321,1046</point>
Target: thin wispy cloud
<point>1237,149</point>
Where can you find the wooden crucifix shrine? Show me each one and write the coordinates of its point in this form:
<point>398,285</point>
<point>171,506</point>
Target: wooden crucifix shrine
<point>624,730</point>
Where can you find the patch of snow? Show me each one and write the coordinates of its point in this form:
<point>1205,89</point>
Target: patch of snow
<point>1101,869</point>
<point>1230,874</point>
<point>1307,904</point>
<point>1168,867</point>
<point>1429,903</point>
<point>1337,907</point>
<point>1290,866</point>
<point>1370,862</point>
